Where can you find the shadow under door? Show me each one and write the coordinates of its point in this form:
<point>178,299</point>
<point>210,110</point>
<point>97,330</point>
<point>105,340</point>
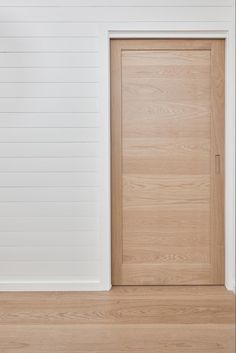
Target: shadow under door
<point>167,150</point>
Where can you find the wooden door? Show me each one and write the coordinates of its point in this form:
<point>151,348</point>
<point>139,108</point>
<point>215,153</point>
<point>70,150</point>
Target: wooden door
<point>167,139</point>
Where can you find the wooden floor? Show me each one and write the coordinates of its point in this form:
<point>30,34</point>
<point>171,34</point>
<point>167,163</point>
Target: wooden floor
<point>126,319</point>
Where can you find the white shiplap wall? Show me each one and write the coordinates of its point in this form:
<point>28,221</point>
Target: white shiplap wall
<point>50,167</point>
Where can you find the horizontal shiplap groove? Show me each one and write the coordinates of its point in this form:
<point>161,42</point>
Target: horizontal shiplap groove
<point>48,37</point>
<point>49,179</point>
<point>54,209</point>
<point>55,75</point>
<point>50,128</point>
<point>49,187</point>
<point>48,105</point>
<point>50,282</point>
<point>40,113</point>
<point>46,157</point>
<point>49,142</point>
<point>50,170</point>
<point>48,224</point>
<point>49,135</point>
<point>64,128</point>
<point>113,3</point>
<point>49,67</point>
<point>45,172</point>
<point>49,194</point>
<point>48,82</point>
<point>26,124</point>
<point>49,59</point>
<point>70,165</point>
<point>51,30</point>
<point>33,202</point>
<point>83,269</point>
<point>62,254</point>
<point>50,52</point>
<point>48,97</point>
<point>224,21</point>
<point>49,120</point>
<point>22,98</point>
<point>115,14</point>
<point>45,202</point>
<point>118,6</point>
<point>41,239</point>
<point>49,150</point>
<point>39,44</point>
<point>46,112</point>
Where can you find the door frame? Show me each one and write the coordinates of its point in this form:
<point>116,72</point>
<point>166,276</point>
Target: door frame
<point>201,30</point>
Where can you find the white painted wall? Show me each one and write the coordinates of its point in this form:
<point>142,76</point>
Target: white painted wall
<point>51,160</point>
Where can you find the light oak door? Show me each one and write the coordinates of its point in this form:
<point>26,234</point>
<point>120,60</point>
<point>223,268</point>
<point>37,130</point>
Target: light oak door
<point>167,157</point>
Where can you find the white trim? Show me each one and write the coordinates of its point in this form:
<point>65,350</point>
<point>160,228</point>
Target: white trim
<point>169,30</point>
<point>105,218</point>
<point>230,161</point>
<point>52,286</point>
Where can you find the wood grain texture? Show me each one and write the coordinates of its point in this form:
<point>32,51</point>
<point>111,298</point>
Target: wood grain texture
<point>117,339</point>
<point>127,319</point>
<point>128,305</point>
<point>167,112</point>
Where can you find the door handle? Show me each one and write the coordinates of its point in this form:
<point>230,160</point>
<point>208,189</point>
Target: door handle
<point>217,164</point>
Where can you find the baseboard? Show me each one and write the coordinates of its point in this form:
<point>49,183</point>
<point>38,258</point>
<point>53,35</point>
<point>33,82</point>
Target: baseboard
<point>231,286</point>
<point>66,286</point>
<point>52,286</point>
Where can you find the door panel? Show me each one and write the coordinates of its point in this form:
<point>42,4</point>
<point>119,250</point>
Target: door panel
<point>167,128</point>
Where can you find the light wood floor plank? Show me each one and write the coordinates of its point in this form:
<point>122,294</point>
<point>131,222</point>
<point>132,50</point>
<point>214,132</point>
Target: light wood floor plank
<point>131,319</point>
<point>117,338</point>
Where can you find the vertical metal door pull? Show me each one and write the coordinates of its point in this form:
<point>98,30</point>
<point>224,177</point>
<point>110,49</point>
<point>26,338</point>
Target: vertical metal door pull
<point>217,163</point>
